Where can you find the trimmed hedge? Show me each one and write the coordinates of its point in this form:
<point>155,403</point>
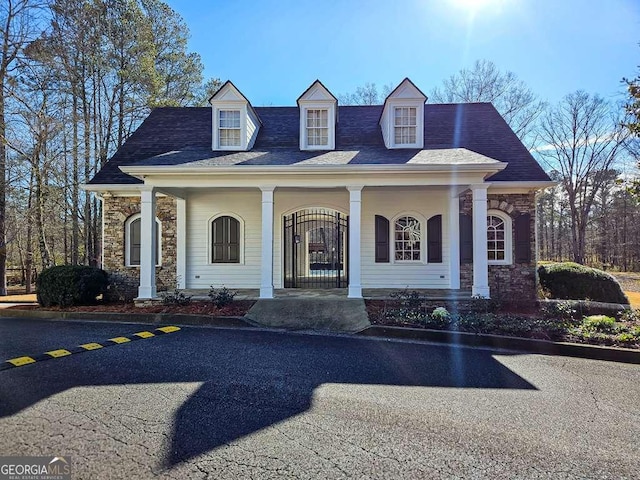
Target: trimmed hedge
<point>68,285</point>
<point>572,281</point>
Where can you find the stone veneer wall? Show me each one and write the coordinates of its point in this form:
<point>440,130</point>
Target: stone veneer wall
<point>116,210</point>
<point>515,282</point>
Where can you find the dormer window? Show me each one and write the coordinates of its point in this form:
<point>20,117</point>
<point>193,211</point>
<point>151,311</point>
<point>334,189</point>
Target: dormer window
<point>235,122</point>
<point>229,128</point>
<point>402,119</point>
<point>317,127</point>
<point>318,118</point>
<point>405,125</point>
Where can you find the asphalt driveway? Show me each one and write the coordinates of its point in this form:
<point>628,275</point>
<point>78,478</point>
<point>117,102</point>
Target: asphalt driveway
<point>215,403</point>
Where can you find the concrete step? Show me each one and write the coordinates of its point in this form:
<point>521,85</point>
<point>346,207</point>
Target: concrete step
<point>324,314</point>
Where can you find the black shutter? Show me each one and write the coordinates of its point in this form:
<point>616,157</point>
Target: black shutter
<point>234,240</point>
<point>134,242</point>
<point>523,238</point>
<point>382,239</point>
<point>466,238</point>
<point>225,240</point>
<point>434,239</point>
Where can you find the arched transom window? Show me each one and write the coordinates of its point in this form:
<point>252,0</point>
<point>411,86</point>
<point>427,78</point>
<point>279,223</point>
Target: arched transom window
<point>496,238</point>
<point>407,238</point>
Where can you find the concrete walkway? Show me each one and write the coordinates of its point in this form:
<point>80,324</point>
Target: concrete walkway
<point>338,314</point>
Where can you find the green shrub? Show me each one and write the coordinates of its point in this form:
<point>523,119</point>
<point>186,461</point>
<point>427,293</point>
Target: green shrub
<point>176,297</point>
<point>599,323</point>
<point>222,297</point>
<point>573,281</point>
<point>68,285</point>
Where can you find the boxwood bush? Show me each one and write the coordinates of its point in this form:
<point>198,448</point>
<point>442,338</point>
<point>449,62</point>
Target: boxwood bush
<point>576,282</point>
<point>68,285</point>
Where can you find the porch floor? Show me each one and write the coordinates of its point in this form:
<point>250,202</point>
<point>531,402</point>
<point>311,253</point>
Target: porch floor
<point>367,293</point>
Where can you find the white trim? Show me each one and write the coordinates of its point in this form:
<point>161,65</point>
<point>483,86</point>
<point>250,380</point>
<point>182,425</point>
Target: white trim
<point>215,140</point>
<point>148,245</point>
<point>392,233</point>
<point>142,170</point>
<point>454,241</point>
<point>330,107</point>
<point>266,269</point>
<point>210,240</point>
<point>355,229</point>
<point>181,243</point>
<point>480,264</point>
<point>127,239</point>
<point>508,237</point>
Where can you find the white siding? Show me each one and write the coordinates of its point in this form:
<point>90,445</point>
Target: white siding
<point>201,207</point>
<point>252,129</point>
<point>421,203</point>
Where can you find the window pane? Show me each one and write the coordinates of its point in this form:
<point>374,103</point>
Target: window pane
<point>496,238</point>
<point>407,232</point>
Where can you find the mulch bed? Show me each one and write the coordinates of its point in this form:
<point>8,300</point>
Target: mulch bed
<point>236,309</point>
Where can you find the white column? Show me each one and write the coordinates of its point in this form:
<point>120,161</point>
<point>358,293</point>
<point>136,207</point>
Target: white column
<point>355,221</point>
<point>181,242</point>
<point>266,277</point>
<point>454,240</point>
<point>147,288</point>
<point>480,262</point>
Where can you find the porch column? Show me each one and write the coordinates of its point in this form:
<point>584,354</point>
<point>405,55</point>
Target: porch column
<point>266,269</point>
<point>454,240</point>
<point>480,261</point>
<point>181,243</point>
<point>355,220</point>
<point>148,243</point>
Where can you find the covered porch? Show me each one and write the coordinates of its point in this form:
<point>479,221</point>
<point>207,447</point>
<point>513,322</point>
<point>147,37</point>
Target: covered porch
<point>260,199</point>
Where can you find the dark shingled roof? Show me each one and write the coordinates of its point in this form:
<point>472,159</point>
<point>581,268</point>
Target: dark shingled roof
<point>475,126</point>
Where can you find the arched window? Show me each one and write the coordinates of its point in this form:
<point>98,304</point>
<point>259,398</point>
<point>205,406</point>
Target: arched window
<point>225,240</point>
<point>498,238</point>
<point>133,241</point>
<point>407,234</point>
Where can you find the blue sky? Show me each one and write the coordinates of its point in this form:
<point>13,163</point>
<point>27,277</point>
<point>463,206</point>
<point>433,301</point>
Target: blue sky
<point>273,50</point>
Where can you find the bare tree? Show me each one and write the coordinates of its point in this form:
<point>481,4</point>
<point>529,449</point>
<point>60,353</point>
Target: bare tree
<point>583,140</point>
<point>484,82</point>
<point>366,95</point>
<point>17,28</point>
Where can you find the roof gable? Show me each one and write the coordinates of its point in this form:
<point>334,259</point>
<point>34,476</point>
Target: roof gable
<point>317,92</point>
<point>406,90</point>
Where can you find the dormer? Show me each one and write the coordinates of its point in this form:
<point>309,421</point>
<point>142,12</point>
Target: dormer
<point>318,118</point>
<point>402,119</point>
<point>235,122</point>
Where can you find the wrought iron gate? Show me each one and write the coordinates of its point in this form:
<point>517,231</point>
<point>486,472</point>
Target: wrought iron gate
<point>315,243</point>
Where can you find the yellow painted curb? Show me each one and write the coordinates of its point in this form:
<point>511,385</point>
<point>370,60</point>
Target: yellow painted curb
<point>91,346</point>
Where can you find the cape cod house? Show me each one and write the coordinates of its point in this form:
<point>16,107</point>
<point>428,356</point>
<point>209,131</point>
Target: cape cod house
<point>318,195</point>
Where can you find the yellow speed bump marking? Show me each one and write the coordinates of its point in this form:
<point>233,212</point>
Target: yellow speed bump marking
<point>19,361</point>
<point>62,352</point>
<point>58,353</point>
<point>168,329</point>
<point>144,334</point>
